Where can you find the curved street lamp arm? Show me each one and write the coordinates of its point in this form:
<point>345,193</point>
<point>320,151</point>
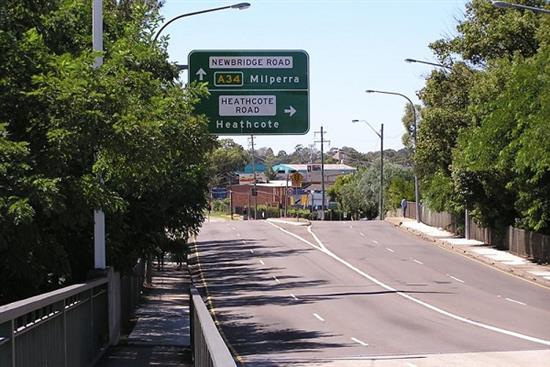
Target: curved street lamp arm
<point>239,6</point>
<point>504,4</point>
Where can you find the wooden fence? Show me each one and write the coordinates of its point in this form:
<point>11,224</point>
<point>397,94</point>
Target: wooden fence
<point>532,245</point>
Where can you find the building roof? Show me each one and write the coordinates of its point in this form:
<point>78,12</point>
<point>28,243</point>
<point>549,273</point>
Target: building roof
<point>284,167</point>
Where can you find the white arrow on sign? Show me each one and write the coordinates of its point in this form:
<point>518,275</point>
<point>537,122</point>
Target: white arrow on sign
<point>201,73</point>
<point>291,111</point>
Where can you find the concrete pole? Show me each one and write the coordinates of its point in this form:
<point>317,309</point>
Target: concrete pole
<point>99,215</point>
<point>381,172</point>
<point>322,175</point>
<point>254,173</point>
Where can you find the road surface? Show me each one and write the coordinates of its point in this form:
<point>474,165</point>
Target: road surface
<point>364,293</point>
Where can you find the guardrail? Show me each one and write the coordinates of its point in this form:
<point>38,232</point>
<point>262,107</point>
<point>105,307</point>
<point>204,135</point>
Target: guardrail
<point>208,346</point>
<point>68,327</point>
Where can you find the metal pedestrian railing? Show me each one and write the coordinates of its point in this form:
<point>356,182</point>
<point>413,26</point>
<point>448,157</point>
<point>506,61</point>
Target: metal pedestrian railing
<point>68,327</point>
<point>209,348</point>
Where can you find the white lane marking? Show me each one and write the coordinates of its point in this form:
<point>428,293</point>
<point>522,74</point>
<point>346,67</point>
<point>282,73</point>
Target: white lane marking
<point>418,262</point>
<point>318,317</point>
<point>262,262</point>
<point>513,300</point>
<point>375,241</point>
<point>362,234</point>
<point>351,226</point>
<point>234,228</point>
<point>360,342</point>
<point>412,299</point>
<point>458,280</point>
<point>238,234</point>
<point>294,297</point>
<point>277,280</point>
<point>389,249</point>
<point>251,251</point>
<point>409,364</point>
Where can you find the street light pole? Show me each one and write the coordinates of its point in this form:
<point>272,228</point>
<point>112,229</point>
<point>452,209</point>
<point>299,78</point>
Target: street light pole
<point>381,136</point>
<point>504,4</point>
<point>240,6</point>
<point>99,215</point>
<point>416,185</point>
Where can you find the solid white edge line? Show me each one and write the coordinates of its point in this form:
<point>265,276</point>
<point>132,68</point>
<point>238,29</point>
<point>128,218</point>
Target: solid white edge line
<point>318,317</point>
<point>458,280</point>
<point>513,300</point>
<point>406,296</point>
<point>359,341</point>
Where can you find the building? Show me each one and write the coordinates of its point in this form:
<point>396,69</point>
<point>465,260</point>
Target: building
<point>311,172</point>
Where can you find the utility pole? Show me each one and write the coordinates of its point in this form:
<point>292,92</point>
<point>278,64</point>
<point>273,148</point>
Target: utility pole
<point>254,191</point>
<point>381,172</point>
<point>322,141</point>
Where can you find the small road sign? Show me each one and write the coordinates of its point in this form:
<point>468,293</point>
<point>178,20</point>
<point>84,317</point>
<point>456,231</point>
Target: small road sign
<point>259,92</point>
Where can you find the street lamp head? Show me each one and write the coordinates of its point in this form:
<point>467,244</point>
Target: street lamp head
<point>240,6</point>
<point>501,4</point>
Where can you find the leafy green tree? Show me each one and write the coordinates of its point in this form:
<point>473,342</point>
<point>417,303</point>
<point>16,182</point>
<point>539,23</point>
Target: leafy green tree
<point>507,155</point>
<point>452,99</point>
<point>228,158</point>
<point>123,138</point>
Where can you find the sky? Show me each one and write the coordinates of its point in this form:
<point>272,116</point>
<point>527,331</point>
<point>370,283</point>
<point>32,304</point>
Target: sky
<point>353,45</point>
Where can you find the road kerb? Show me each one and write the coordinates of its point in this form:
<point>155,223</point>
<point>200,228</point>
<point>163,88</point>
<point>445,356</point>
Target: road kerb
<point>463,250</point>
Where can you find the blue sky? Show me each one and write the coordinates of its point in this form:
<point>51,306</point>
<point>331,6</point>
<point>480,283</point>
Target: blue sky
<point>353,46</point>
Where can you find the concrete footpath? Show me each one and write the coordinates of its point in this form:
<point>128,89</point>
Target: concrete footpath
<point>477,250</point>
<point>161,335</point>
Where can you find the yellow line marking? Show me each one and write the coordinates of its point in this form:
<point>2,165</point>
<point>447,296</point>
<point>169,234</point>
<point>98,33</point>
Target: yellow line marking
<point>212,308</point>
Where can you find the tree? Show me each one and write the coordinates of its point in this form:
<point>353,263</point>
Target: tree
<point>507,157</point>
<point>122,138</point>
<point>486,35</point>
<point>228,158</point>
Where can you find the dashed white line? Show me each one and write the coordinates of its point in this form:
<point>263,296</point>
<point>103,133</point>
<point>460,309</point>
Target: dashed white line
<point>318,317</point>
<point>294,297</point>
<point>360,342</point>
<point>389,249</point>
<point>351,226</point>
<point>458,280</point>
<point>513,300</point>
<point>322,248</point>
<point>251,251</point>
<point>418,262</point>
<point>375,241</point>
<point>277,280</point>
<point>238,234</point>
<point>362,234</point>
<point>234,228</point>
<point>409,364</point>
<point>262,262</point>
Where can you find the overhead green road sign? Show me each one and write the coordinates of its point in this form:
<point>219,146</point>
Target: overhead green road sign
<point>259,92</point>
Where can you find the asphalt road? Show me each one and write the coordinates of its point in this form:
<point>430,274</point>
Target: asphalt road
<point>364,293</point>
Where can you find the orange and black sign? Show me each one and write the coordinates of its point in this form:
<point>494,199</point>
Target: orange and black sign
<point>296,179</point>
